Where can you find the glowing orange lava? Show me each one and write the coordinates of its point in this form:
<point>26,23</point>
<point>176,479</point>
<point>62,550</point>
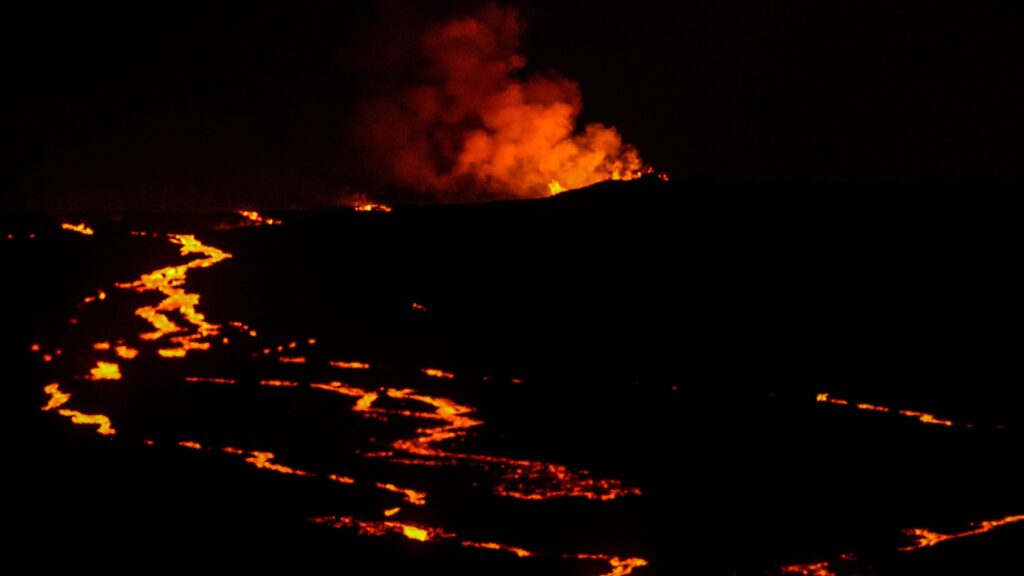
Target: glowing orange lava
<point>169,281</point>
<point>818,569</point>
<point>920,416</point>
<point>413,497</point>
<point>179,328</point>
<point>435,373</point>
<point>923,537</point>
<point>105,371</point>
<point>126,352</point>
<point>351,365</point>
<point>207,380</point>
<point>259,219</point>
<point>521,552</point>
<point>59,398</point>
<point>371,207</point>
<point>411,531</point>
<point>279,383</point>
<point>620,566</point>
<point>80,228</point>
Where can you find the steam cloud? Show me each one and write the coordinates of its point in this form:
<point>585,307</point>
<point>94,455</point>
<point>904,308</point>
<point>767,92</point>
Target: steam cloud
<point>470,127</point>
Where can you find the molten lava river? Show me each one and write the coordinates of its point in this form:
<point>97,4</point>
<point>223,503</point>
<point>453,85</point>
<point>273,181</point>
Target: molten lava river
<point>421,439</point>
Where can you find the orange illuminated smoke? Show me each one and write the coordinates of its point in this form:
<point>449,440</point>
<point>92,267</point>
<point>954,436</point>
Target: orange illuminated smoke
<point>818,569</point>
<point>919,416</point>
<point>105,371</point>
<point>392,511</point>
<point>470,125</point>
<point>258,218</point>
<point>923,537</point>
<point>79,228</point>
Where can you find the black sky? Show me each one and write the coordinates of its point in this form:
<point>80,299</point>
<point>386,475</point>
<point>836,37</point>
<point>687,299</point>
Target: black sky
<point>165,106</point>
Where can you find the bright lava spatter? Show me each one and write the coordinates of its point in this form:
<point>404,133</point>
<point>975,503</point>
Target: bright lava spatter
<point>176,319</point>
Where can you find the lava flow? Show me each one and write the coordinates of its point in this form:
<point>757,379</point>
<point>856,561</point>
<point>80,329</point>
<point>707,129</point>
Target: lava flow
<point>817,569</point>
<point>922,417</point>
<point>175,319</point>
<point>59,398</point>
<point>924,538</point>
<point>169,281</point>
<point>80,228</point>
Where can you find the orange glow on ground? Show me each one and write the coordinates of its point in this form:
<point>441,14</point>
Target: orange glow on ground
<point>292,360</point>
<point>924,538</point>
<point>105,371</point>
<point>190,444</point>
<point>101,346</point>
<point>419,307</point>
<point>392,511</point>
<point>79,228</point>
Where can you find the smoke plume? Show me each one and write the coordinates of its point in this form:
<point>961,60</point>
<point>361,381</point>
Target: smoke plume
<point>471,125</point>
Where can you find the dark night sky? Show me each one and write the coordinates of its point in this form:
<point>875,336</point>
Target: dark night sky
<point>172,107</point>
